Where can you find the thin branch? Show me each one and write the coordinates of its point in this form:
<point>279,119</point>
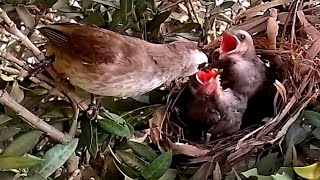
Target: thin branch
<point>11,27</point>
<point>33,120</point>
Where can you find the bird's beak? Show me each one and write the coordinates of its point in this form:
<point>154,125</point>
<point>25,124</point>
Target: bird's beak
<point>229,43</point>
<point>206,75</point>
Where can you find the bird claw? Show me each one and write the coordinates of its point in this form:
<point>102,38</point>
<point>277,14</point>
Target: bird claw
<point>41,66</point>
<point>92,111</point>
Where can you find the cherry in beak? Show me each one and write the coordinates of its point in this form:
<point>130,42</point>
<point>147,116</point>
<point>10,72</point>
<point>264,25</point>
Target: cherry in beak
<point>206,75</point>
<point>229,42</point>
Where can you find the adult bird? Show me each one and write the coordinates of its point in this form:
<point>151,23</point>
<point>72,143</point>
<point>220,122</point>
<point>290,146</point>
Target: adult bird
<point>106,63</point>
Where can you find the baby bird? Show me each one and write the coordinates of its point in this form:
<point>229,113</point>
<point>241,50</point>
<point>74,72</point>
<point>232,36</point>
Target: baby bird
<point>243,71</point>
<point>218,111</point>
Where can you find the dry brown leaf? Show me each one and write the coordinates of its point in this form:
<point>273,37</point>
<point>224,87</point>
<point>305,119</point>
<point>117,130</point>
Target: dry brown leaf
<point>187,149</point>
<point>261,7</point>
<point>281,89</point>
<point>248,25</point>
<point>272,28</point>
<point>313,32</point>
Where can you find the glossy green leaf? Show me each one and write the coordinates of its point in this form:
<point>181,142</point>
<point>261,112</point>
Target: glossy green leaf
<point>309,172</point>
<point>296,134</point>
<point>4,119</point>
<point>86,4</point>
<point>26,16</point>
<point>16,92</point>
<point>110,3</point>
<point>126,170</point>
<point>226,4</point>
<point>204,171</point>
<point>143,150</point>
<point>283,176</point>
<point>131,160</point>
<point>269,164</point>
<point>7,175</point>
<point>94,18</point>
<point>157,20</point>
<point>46,3</point>
<point>8,132</point>
<point>316,133</point>
<point>187,27</point>
<point>170,174</point>
<point>114,128</point>
<point>14,162</point>
<point>254,173</point>
<point>23,144</point>
<point>312,117</point>
<point>56,157</point>
<point>124,10</point>
<point>158,167</point>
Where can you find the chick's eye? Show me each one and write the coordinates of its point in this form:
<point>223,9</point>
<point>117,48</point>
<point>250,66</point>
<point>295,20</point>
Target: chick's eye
<point>242,37</point>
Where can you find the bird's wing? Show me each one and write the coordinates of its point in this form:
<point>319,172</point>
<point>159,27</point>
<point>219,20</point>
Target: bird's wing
<point>94,45</point>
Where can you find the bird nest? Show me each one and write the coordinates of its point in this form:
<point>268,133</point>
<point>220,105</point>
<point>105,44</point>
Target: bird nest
<point>290,41</point>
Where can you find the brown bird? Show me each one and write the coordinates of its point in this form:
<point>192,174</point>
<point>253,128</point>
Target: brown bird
<point>106,63</point>
<point>215,110</point>
<point>243,71</point>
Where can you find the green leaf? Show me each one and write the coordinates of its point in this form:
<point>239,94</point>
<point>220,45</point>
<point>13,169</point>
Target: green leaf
<point>170,174</point>
<point>110,3</point>
<point>94,18</point>
<point>8,132</point>
<point>283,176</point>
<point>56,157</point>
<point>14,162</point>
<point>46,3</point>
<point>26,16</point>
<point>296,134</point>
<point>157,20</point>
<point>131,160</point>
<point>143,150</point>
<point>158,167</point>
<point>7,175</point>
<point>23,144</point>
<point>312,117</point>
<point>316,133</point>
<point>114,128</point>
<point>226,4</point>
<point>86,4</point>
<point>254,173</point>
<point>204,171</point>
<point>309,172</point>
<point>140,8</point>
<point>126,171</point>
<point>4,119</point>
<point>16,92</point>
<point>124,10</point>
<point>269,164</point>
<point>187,27</point>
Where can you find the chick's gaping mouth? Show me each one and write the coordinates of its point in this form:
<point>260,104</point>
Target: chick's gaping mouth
<point>206,75</point>
<point>229,42</point>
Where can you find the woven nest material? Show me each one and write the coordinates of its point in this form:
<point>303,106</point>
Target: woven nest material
<point>291,41</point>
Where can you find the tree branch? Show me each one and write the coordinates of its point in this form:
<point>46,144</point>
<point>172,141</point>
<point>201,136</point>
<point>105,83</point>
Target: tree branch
<point>11,27</point>
<point>31,119</point>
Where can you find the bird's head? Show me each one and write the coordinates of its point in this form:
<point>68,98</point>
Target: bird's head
<point>236,42</point>
<point>207,82</point>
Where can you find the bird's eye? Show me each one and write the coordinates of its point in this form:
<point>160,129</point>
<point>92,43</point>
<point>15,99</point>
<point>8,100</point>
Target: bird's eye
<point>242,37</point>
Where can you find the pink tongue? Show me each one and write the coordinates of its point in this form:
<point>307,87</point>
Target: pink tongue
<point>229,42</point>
